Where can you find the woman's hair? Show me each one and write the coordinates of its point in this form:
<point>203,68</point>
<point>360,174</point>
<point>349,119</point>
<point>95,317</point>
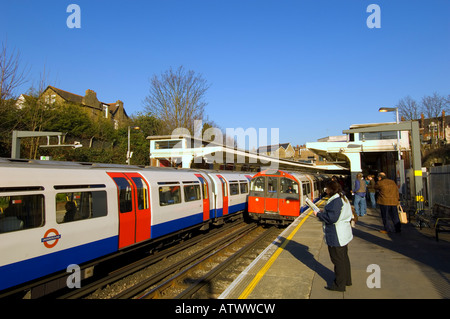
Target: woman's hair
<point>335,188</point>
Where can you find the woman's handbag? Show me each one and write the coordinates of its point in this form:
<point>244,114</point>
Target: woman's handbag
<point>402,215</point>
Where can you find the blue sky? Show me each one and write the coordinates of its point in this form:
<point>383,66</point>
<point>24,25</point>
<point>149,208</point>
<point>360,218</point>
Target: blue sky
<point>308,67</point>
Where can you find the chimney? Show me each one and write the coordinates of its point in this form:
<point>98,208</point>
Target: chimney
<point>90,99</point>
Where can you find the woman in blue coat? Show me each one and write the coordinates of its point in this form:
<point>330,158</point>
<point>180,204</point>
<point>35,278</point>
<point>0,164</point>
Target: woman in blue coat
<point>336,217</point>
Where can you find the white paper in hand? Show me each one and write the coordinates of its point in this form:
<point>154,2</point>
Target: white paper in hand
<point>312,205</point>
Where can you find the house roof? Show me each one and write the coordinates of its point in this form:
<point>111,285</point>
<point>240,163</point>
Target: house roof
<point>271,148</point>
<point>78,99</point>
<point>68,96</point>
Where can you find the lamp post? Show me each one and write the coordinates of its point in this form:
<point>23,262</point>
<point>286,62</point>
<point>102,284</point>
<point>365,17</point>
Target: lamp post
<point>393,109</point>
<point>129,153</point>
<point>400,168</point>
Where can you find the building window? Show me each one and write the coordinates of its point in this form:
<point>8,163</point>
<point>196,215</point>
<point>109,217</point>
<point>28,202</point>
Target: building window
<point>168,144</point>
<point>105,111</point>
<point>373,136</point>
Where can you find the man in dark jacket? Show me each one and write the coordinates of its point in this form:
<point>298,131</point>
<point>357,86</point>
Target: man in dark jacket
<point>388,199</point>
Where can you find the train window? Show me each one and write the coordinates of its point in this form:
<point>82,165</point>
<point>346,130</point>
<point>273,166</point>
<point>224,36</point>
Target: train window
<point>21,189</point>
<point>142,193</point>
<point>125,199</point>
<point>288,186</point>
<point>79,186</point>
<point>244,187</point>
<point>169,195</point>
<point>224,187</point>
<point>21,212</point>
<point>258,184</point>
<point>272,184</point>
<point>191,193</point>
<point>234,188</point>
<point>72,206</point>
<point>205,191</point>
<point>306,188</point>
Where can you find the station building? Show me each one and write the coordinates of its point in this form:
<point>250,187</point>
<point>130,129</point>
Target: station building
<point>393,148</point>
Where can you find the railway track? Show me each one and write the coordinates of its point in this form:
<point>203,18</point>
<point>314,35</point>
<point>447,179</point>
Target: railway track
<point>198,275</point>
<point>106,286</point>
<point>199,267</point>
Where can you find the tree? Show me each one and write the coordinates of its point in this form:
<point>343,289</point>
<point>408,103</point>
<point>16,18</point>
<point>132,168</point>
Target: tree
<point>408,108</point>
<point>176,98</point>
<point>433,105</point>
<point>11,74</point>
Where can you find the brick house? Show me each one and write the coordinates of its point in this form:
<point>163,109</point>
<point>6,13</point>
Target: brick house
<point>95,108</point>
<point>435,130</point>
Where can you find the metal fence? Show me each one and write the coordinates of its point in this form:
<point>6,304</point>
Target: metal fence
<point>438,185</point>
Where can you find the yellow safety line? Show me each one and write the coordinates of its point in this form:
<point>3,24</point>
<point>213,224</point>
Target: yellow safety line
<point>247,291</point>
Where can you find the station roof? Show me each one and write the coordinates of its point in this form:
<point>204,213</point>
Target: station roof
<point>189,148</point>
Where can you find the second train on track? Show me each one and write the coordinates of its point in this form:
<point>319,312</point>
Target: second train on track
<point>278,197</point>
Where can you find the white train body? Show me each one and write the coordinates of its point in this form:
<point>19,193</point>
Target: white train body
<point>56,214</point>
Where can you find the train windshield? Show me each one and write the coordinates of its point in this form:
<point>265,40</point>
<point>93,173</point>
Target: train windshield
<point>258,184</point>
<point>288,186</point>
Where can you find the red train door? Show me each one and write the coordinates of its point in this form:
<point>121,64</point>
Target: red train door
<point>256,197</point>
<point>289,198</point>
<point>224,194</point>
<point>134,208</point>
<point>271,204</point>
<point>205,192</point>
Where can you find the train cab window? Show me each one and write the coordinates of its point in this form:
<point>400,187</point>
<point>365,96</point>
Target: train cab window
<point>234,188</point>
<point>244,187</point>
<point>142,193</point>
<point>272,184</point>
<point>288,186</point>
<point>169,195</point>
<point>21,212</point>
<point>72,206</point>
<point>258,184</point>
<point>191,193</point>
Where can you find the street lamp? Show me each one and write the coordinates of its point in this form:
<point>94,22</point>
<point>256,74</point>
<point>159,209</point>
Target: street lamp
<point>129,153</point>
<point>393,109</point>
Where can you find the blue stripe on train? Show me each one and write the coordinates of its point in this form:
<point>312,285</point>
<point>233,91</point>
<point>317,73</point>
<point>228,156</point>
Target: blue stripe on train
<point>23,271</point>
<point>177,224</point>
<point>232,209</point>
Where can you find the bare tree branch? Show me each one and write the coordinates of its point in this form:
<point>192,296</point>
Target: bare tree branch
<point>408,108</point>
<point>433,105</point>
<point>177,98</point>
<point>11,75</point>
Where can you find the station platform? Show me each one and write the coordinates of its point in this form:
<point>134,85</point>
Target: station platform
<point>409,265</point>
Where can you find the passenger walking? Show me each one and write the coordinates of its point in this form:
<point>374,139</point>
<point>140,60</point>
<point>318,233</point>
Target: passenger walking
<point>359,192</point>
<point>388,199</point>
<point>336,217</point>
<point>371,190</point>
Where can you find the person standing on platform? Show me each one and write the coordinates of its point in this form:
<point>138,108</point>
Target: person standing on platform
<point>388,199</point>
<point>371,189</point>
<point>359,191</point>
<point>336,217</point>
